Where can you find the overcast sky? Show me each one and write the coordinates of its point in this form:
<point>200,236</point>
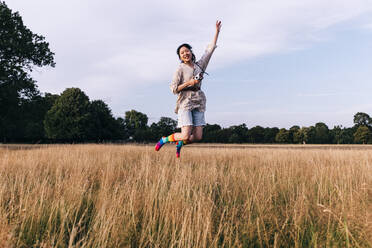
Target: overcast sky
<point>278,63</point>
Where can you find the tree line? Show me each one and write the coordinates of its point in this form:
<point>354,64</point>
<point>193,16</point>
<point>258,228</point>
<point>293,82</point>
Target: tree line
<point>27,115</point>
<point>72,117</point>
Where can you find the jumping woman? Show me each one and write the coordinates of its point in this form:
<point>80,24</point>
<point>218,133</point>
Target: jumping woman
<point>191,101</point>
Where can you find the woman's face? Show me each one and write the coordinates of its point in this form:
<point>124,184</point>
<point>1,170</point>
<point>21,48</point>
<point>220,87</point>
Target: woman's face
<point>185,55</point>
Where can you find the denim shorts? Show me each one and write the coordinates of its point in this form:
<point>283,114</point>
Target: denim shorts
<point>190,118</point>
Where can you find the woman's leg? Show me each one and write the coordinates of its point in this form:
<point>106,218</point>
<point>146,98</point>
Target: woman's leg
<point>185,121</point>
<point>188,133</point>
<point>198,121</point>
<point>197,134</point>
<point>183,135</point>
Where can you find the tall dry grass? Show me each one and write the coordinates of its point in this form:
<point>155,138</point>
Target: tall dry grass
<point>132,196</point>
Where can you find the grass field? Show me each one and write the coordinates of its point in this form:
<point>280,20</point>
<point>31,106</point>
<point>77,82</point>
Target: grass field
<point>213,196</point>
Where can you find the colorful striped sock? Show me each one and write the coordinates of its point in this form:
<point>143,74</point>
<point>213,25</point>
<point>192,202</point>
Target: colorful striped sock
<point>164,140</point>
<point>178,148</point>
<point>179,145</point>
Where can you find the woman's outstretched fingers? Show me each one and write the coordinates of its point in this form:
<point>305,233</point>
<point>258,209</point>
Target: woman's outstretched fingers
<point>218,25</point>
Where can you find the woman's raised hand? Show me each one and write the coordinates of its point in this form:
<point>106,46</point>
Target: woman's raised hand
<point>218,26</point>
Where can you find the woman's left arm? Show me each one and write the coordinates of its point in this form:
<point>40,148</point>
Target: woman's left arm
<point>203,62</point>
<point>218,28</point>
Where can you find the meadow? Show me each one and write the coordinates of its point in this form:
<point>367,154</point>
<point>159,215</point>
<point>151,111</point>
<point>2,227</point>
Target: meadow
<point>213,196</point>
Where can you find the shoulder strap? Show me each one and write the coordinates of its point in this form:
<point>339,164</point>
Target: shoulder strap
<point>201,68</point>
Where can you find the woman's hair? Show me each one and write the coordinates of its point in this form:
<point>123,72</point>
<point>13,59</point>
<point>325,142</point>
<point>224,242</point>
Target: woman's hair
<point>188,47</point>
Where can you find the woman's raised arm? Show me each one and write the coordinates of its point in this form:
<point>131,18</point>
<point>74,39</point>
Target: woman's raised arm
<point>218,28</point>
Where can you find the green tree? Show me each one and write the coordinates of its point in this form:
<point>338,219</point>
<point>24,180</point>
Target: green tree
<point>363,135</point>
<point>299,137</point>
<point>103,125</point>
<point>310,135</point>
<point>164,127</point>
<point>342,135</point>
<point>20,51</point>
<point>292,131</point>
<point>212,133</point>
<point>70,117</point>
<point>282,136</point>
<point>256,134</point>
<point>269,134</point>
<point>224,135</point>
<point>362,119</point>
<point>238,134</point>
<point>321,134</point>
<point>136,125</point>
<point>121,131</point>
<point>33,115</point>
